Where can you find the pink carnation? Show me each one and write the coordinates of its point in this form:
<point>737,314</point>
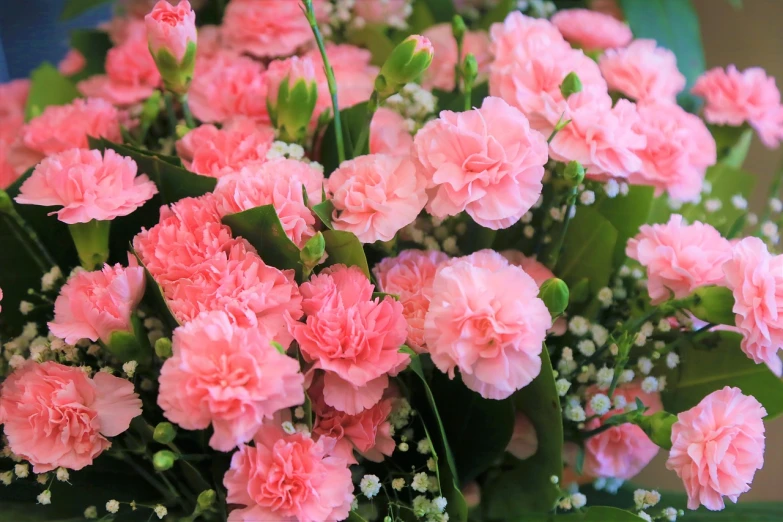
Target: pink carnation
<point>532,267</point>
<point>7,172</point>
<point>386,12</point>
<point>288,478</point>
<point>519,39</point>
<point>215,152</point>
<point>592,30</point>
<point>13,97</point>
<point>679,150</point>
<point>230,377</point>
<point>93,305</point>
<point>389,133</point>
<point>352,71</point>
<point>486,319</point>
<point>294,69</point>
<point>440,74</point>
<point>171,28</point>
<point>73,63</point>
<point>87,185</point>
<point>376,195</point>
<point>409,276</point>
<point>621,451</point>
<point>733,98</point>
<point>643,72</point>
<point>486,161</point>
<point>679,258</point>
<point>353,338</point>
<point>756,278</point>
<point>56,416</point>
<point>524,440</point>
<point>717,446</point>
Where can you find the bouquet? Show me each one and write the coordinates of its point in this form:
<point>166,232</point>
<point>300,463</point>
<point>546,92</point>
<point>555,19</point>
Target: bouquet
<point>385,260</point>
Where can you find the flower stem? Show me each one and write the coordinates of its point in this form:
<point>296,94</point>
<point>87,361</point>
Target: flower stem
<point>554,255</point>
<point>169,100</point>
<point>186,111</point>
<point>26,234</point>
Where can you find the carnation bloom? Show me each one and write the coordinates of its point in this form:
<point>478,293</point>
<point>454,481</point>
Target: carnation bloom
<point>679,258</point>
<point>13,97</point>
<point>171,28</point>
<point>717,446</point>
<point>756,278</point>
<point>288,478</point>
<point>227,376</point>
<point>376,195</point>
<point>214,152</point>
<point>353,338</point>
<point>293,70</point>
<point>679,150</point>
<point>440,74</point>
<point>520,38</point>
<point>93,305</point>
<point>621,451</point>
<point>56,416</point>
<point>733,98</point>
<point>486,319</point>
<point>486,161</point>
<point>387,12</point>
<point>389,133</point>
<point>524,440</point>
<point>87,185</point>
<point>643,72</point>
<point>73,63</point>
<point>592,30</point>
<point>538,271</point>
<point>409,276</point>
<point>352,71</point>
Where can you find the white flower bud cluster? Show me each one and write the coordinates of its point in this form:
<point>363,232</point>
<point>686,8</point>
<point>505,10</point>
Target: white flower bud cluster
<point>414,103</point>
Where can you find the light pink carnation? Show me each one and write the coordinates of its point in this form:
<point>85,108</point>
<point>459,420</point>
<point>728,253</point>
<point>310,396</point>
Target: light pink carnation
<point>7,172</point>
<point>643,72</point>
<point>440,74</point>
<point>530,265</point>
<point>93,305</point>
<point>171,28</point>
<point>524,440</point>
<point>389,133</point>
<point>486,319</point>
<point>519,39</point>
<point>73,63</point>
<point>679,150</point>
<point>352,71</point>
<point>376,195</point>
<point>230,377</point>
<point>13,97</point>
<point>87,185</point>
<point>387,12</point>
<point>717,446</point>
<point>214,152</point>
<point>56,416</point>
<point>592,30</point>
<point>288,478</point>
<point>486,161</point>
<point>409,276</point>
<point>756,278</point>
<point>353,338</point>
<point>679,258</point>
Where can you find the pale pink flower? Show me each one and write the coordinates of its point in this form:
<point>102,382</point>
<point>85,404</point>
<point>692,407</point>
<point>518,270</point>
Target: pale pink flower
<point>621,451</point>
<point>13,97</point>
<point>756,278</point>
<point>171,28</point>
<point>210,41</point>
<point>214,152</point>
<point>352,71</point>
<point>7,172</point>
<point>520,38</point>
<point>353,338</point>
<point>679,150</point>
<point>389,133</point>
<point>524,440</point>
<point>56,416</point>
<point>230,377</point>
<point>486,161</point>
<point>73,63</point>
<point>592,30</point>
<point>440,74</point>
<point>717,446</point>
<point>10,127</point>
<point>643,72</point>
<point>93,305</point>
<point>87,185</point>
<point>486,319</point>
<point>538,271</point>
<point>679,258</point>
<point>409,276</point>
<point>386,12</point>
<point>376,195</point>
<point>288,478</point>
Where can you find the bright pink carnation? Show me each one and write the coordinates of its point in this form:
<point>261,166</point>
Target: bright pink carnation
<point>524,440</point>
<point>353,338</point>
<point>389,133</point>
<point>376,195</point>
<point>756,278</point>
<point>87,185</point>
<point>679,258</point>
<point>230,377</point>
<point>679,150</point>
<point>643,72</point>
<point>591,30</point>
<point>486,319</point>
<point>56,416</point>
<point>440,74</point>
<point>486,161</point>
<point>352,71</point>
<point>717,446</point>
<point>171,28</point>
<point>288,478</point>
<point>73,63</point>
<point>93,305</point>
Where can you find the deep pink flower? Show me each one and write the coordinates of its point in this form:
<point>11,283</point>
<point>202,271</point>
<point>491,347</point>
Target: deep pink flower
<point>440,74</point>
<point>171,28</point>
<point>592,30</point>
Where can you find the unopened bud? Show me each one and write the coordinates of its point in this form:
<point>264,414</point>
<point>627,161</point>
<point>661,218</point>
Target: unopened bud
<point>458,28</point>
<point>470,69</point>
<point>292,101</point>
<point>171,34</point>
<point>571,85</point>
<point>206,499</point>
<point>554,293</point>
<point>313,250</point>
<point>164,460</point>
<point>163,348</point>
<point>164,433</point>
<point>713,304</point>
<point>404,65</point>
<point>575,173</point>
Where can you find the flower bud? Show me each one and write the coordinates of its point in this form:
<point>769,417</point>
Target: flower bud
<point>206,499</point>
<point>571,85</point>
<point>405,63</point>
<point>554,293</point>
<point>658,427</point>
<point>470,69</point>
<point>713,304</point>
<point>163,348</point>
<point>313,250</point>
<point>291,97</point>
<point>171,34</point>
<point>574,173</point>
<point>458,28</point>
<point>164,433</point>
<point>164,460</point>
<point>92,242</point>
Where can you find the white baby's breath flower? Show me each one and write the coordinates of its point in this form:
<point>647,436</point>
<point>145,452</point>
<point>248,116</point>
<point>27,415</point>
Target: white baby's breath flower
<point>398,484</point>
<point>600,403</point>
<point>161,511</point>
<point>650,384</point>
<point>22,470</point>
<point>370,485</point>
<point>420,482</point>
<point>45,497</point>
<point>130,368</point>
<point>112,506</point>
<point>672,360</point>
<point>587,197</point>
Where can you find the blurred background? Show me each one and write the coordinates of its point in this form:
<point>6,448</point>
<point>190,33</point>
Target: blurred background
<point>30,33</point>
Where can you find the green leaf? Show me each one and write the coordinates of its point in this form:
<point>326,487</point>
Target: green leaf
<point>94,45</point>
<point>675,26</point>
<point>324,211</point>
<point>455,101</point>
<point>731,143</point>
<point>497,13</point>
<point>442,10</point>
<point>74,8</point>
<point>588,250</point>
<point>48,87</point>
<point>626,214</point>
<point>262,228</point>
<point>345,248</point>
<point>713,361</point>
<point>353,516</point>
<point>353,121</point>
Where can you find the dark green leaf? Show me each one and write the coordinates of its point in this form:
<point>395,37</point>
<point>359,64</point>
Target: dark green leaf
<point>353,121</point>
<point>74,8</point>
<point>626,214</point>
<point>588,250</point>
<point>324,211</point>
<point>455,101</point>
<point>442,10</point>
<point>475,237</point>
<point>345,248</point>
<point>48,87</point>
<point>94,45</point>
<point>497,13</point>
<point>353,516</point>
<point>731,143</point>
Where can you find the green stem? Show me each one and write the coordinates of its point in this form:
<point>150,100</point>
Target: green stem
<point>169,100</point>
<point>26,234</point>
<point>92,242</point>
<point>468,94</point>
<point>372,106</point>
<point>554,255</point>
<point>186,111</point>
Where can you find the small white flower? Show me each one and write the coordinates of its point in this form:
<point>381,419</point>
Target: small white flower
<point>578,500</point>
<point>450,245</point>
<point>161,511</point>
<point>562,386</point>
<point>527,217</point>
<point>644,516</point>
<point>93,349</point>
<point>421,506</point>
<point>645,365</point>
<point>605,296</point>
<point>528,231</point>
<point>769,229</point>
<point>776,205</point>
<point>600,334</point>
<point>578,325</point>
<point>43,478</point>
<point>45,497</point>
<point>574,412</point>
<point>739,202</point>
<point>624,188</point>
<point>370,485</point>
<point>626,376</point>
<point>620,402</point>
<point>587,197</point>
<point>107,369</point>
<point>713,205</point>
<point>289,428</point>
<point>398,484</point>
<point>625,271</point>
<point>49,279</point>
<point>650,384</point>
<point>112,506</point>
<point>636,273</point>
<point>586,347</point>
<point>91,512</point>
<point>403,447</point>
<point>424,447</point>
<point>670,514</point>
<point>604,377</point>
<point>599,484</point>
<point>25,307</point>
<point>420,482</point>
<point>556,214</point>
<point>554,479</point>
<point>600,403</point>
<point>672,360</point>
<point>661,383</point>
<point>664,325</point>
<point>6,477</point>
<point>640,339</point>
<point>22,470</point>
<point>613,485</point>
<point>565,504</point>
<point>439,503</point>
<point>299,412</point>
<point>130,368</point>
<point>651,498</point>
<point>431,464</point>
<point>647,329</point>
<point>612,188</point>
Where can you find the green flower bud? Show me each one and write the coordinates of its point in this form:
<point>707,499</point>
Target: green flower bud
<point>206,499</point>
<point>470,69</point>
<point>571,85</point>
<point>658,427</point>
<point>92,242</point>
<point>163,348</point>
<point>580,291</point>
<point>164,460</point>
<point>713,304</point>
<point>554,293</point>
<point>176,74</point>
<point>291,103</point>
<point>405,63</point>
<point>313,250</point>
<point>164,433</point>
<point>458,28</point>
<point>574,172</point>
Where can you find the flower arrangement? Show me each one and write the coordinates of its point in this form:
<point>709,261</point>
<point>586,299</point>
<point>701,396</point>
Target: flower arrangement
<point>384,260</point>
